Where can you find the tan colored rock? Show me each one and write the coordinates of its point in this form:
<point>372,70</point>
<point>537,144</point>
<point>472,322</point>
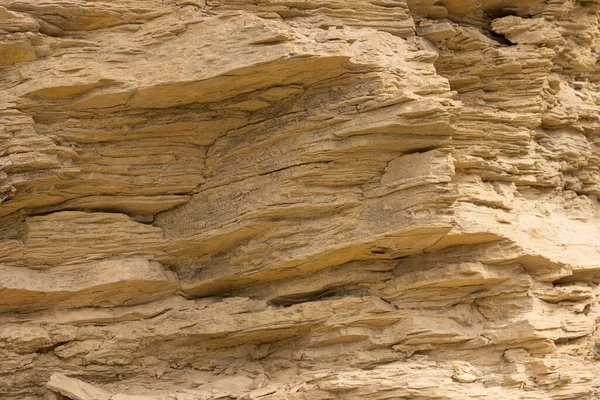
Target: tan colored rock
<point>300,200</point>
<point>108,282</point>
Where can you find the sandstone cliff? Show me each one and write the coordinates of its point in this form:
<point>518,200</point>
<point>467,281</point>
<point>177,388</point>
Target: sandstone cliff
<point>299,199</point>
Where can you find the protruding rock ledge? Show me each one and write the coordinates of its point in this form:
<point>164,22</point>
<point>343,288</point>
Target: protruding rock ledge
<point>107,283</point>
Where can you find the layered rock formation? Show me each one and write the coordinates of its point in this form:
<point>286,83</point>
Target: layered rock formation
<point>275,199</point>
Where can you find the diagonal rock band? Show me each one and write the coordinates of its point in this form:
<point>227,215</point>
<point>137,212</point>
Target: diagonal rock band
<point>299,200</point>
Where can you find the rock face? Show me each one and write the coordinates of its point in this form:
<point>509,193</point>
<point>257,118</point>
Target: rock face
<point>308,199</point>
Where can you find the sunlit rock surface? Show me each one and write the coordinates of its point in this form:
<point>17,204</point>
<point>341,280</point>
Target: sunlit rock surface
<point>299,200</point>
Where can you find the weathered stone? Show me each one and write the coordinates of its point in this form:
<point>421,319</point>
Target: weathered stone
<point>276,199</point>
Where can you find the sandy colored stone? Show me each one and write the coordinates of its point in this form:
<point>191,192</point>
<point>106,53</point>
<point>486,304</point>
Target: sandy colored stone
<point>299,200</point>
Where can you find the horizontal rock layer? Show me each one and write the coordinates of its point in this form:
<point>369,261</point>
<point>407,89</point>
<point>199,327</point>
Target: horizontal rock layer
<point>282,199</point>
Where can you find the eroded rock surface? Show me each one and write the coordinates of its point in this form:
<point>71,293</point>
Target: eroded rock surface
<point>274,199</point>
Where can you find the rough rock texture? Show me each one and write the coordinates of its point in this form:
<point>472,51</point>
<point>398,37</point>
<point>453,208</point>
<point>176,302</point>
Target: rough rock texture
<point>307,199</point>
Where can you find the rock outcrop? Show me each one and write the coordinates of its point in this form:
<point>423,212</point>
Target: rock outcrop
<point>309,199</point>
